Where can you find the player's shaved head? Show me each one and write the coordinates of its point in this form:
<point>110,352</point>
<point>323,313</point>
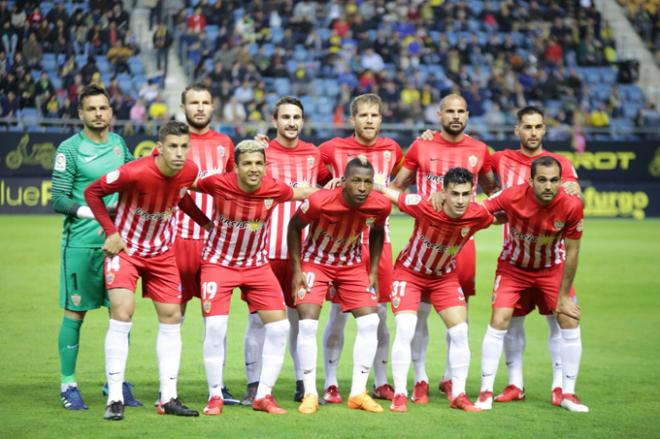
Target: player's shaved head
<point>457,176</point>
<point>452,98</point>
<point>359,162</point>
<point>545,161</point>
<point>247,146</point>
<point>173,128</point>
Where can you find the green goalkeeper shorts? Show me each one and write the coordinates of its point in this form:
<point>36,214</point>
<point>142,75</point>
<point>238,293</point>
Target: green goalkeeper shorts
<point>82,287</point>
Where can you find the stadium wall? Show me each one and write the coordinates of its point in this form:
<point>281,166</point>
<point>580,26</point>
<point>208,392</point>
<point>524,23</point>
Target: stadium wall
<point>619,179</point>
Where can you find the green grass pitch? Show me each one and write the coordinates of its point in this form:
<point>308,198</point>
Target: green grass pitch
<point>618,285</point>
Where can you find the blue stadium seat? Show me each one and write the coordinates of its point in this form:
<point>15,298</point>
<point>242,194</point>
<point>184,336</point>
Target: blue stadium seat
<point>212,32</point>
<point>49,62</point>
<point>30,117</point>
<point>135,65</point>
<point>282,86</point>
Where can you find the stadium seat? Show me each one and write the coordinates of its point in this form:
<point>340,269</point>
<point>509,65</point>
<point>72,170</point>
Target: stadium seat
<point>282,86</point>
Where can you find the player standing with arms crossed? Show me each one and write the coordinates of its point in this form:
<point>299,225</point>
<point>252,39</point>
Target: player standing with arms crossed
<point>427,265</point>
<point>213,153</point>
<point>235,256</point>
<point>541,216</point>
<point>426,163</point>
<point>512,168</point>
<point>333,253</point>
<point>385,156</point>
<point>139,244</point>
<point>295,163</point>
<point>80,160</point>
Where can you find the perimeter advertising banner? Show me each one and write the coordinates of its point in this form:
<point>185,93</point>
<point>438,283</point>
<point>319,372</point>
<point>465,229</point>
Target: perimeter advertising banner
<point>619,179</point>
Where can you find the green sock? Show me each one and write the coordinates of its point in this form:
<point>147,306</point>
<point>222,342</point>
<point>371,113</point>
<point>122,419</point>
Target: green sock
<point>68,346</point>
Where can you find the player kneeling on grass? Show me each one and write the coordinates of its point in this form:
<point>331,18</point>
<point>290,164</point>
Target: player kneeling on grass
<point>427,265</point>
<point>540,216</point>
<point>235,256</point>
<point>332,253</point>
<point>139,244</point>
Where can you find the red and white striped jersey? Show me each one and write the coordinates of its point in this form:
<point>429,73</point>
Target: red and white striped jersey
<point>239,233</point>
<point>385,156</point>
<point>513,167</point>
<point>297,167</point>
<point>536,230</point>
<point>147,203</point>
<point>437,238</point>
<point>431,159</point>
<point>213,153</point>
<point>335,230</point>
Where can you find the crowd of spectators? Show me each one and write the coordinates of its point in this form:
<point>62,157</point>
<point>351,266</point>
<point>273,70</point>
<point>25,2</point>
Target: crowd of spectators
<point>645,18</point>
<point>49,51</point>
<point>500,55</point>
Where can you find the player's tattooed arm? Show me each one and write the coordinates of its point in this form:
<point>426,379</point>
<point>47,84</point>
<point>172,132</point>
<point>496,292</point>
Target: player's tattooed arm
<point>403,179</point>
<point>376,242</point>
<point>293,239</point>
<point>302,193</point>
<point>565,305</point>
<point>488,183</point>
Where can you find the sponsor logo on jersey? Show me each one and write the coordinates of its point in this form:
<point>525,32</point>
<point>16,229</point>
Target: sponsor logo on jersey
<point>60,162</point>
<point>111,177</point>
<point>464,231</point>
<point>449,249</point>
<point>75,299</point>
<point>473,160</point>
<point>155,216</point>
<point>541,239</point>
<point>240,224</point>
<point>413,199</point>
<point>210,171</point>
<point>268,202</point>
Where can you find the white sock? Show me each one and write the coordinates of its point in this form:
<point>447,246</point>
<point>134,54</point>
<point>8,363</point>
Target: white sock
<point>307,352</point>
<point>401,350</point>
<point>215,334</point>
<point>420,342</point>
<point>554,346</point>
<point>333,343</point>
<point>65,387</point>
<point>383,348</point>
<point>364,351</point>
<point>168,348</point>
<point>459,358</point>
<point>514,346</point>
<point>116,354</point>
<point>273,356</point>
<point>446,375</point>
<point>253,342</point>
<point>571,352</point>
<point>292,314</point>
<point>491,351</point>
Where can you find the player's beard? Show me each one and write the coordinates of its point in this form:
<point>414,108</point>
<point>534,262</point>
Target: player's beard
<point>197,125</point>
<point>451,131</point>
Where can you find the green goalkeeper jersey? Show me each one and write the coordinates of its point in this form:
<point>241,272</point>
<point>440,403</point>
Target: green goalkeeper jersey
<point>78,163</point>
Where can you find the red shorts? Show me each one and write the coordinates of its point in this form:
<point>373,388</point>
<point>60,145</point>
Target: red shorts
<point>385,270</point>
<point>282,271</point>
<point>466,267</point>
<point>539,286</point>
<point>407,289</point>
<point>259,288</point>
<point>528,302</point>
<point>188,254</point>
<point>160,277</point>
<point>350,283</point>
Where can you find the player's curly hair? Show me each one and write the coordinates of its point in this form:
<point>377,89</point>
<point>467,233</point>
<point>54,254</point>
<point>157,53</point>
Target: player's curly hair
<point>173,128</point>
<point>246,146</point>
<point>457,176</point>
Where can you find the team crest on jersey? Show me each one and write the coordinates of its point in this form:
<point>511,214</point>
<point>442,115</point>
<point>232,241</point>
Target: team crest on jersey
<point>369,221</point>
<point>111,177</point>
<point>110,277</point>
<point>464,231</point>
<point>387,155</point>
<point>268,202</point>
<point>117,150</point>
<point>75,299</point>
<point>207,306</point>
<point>473,160</point>
<point>558,224</point>
<point>580,226</point>
<point>413,199</point>
<point>396,301</point>
<point>60,162</point>
<point>310,161</point>
<point>221,150</point>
